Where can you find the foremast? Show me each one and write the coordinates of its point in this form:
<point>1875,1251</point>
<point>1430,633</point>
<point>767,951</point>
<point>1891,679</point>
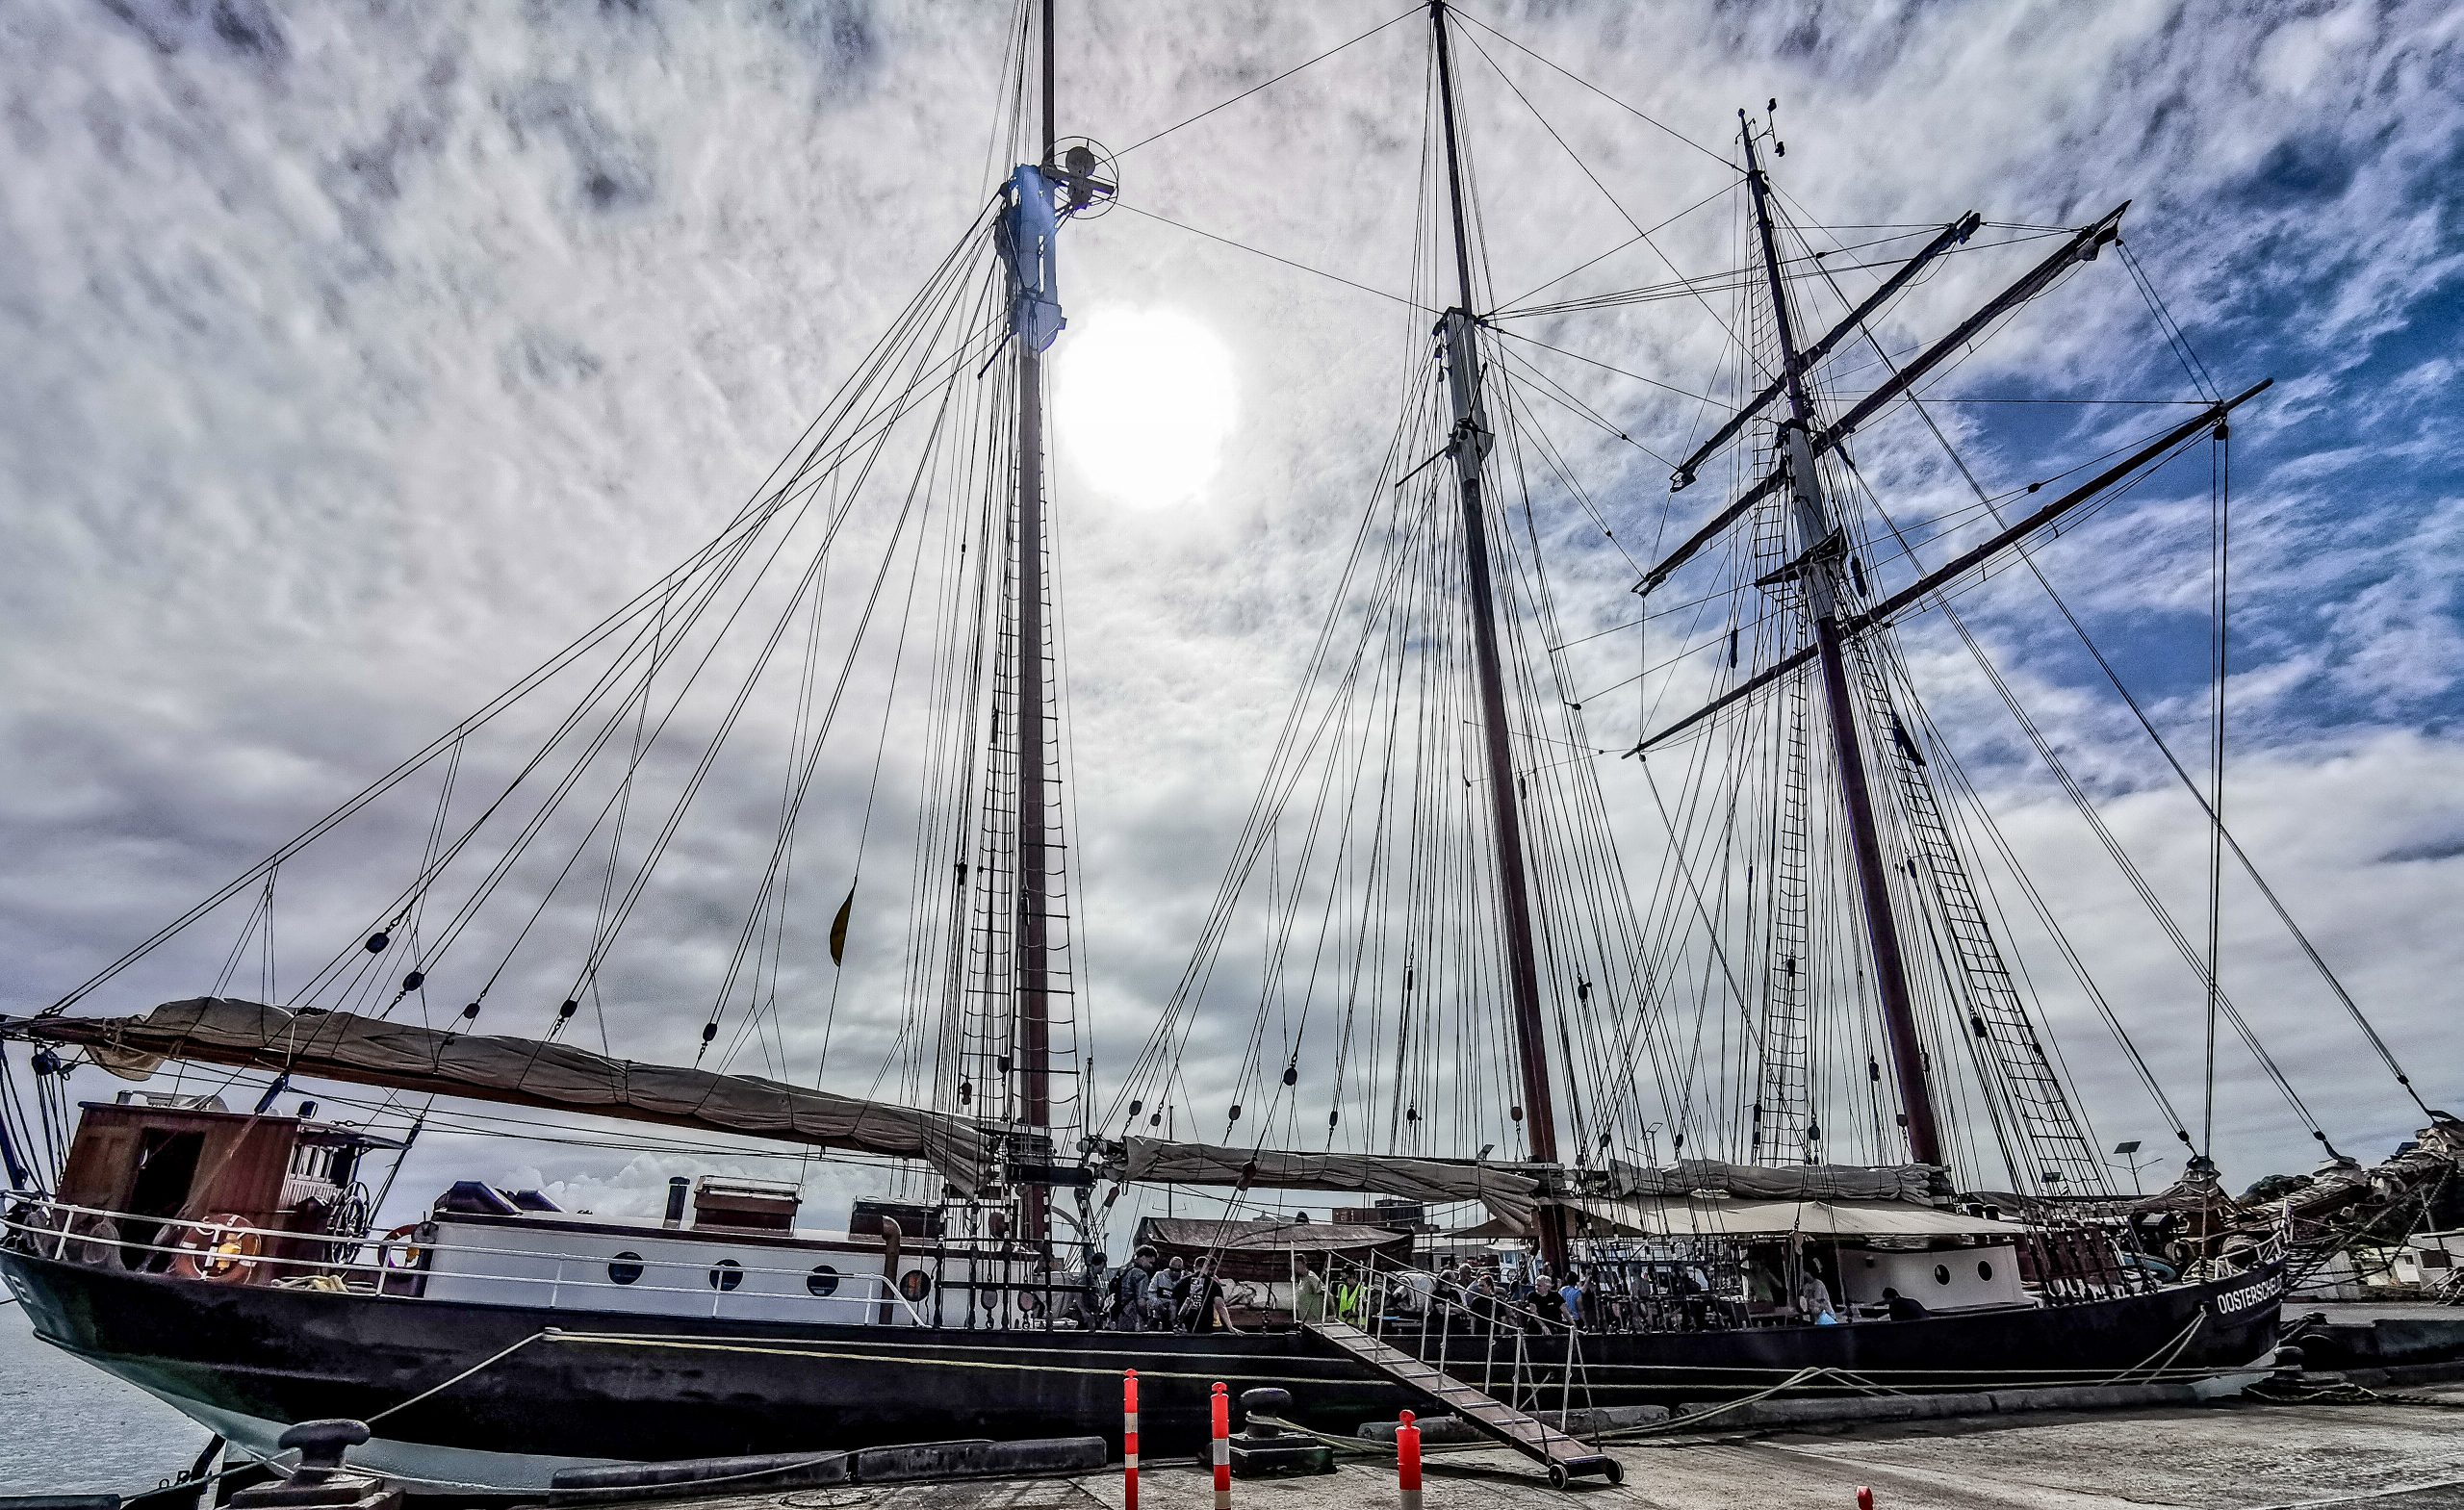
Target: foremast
<point>1821,554</point>
<point>1458,341</point>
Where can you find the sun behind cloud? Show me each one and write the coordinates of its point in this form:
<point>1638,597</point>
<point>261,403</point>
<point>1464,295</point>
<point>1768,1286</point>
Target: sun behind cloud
<point>1144,401</point>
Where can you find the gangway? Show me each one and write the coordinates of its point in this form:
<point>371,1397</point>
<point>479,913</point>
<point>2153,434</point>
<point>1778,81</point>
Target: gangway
<point>1565,1457</point>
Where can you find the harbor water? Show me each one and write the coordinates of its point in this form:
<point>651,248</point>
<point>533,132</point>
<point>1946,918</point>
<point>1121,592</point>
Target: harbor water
<point>68,1427</point>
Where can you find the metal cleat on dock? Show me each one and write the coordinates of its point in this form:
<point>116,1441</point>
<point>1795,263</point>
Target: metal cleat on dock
<point>320,1479</point>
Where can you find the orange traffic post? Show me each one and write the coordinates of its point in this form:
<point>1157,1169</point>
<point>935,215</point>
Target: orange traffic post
<point>1407,1462</point>
<point>1129,1437</point>
<point>1222,1448</point>
<point>1865,1498</point>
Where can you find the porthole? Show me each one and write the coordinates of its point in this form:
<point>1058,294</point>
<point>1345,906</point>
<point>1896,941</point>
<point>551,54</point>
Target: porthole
<point>822,1281</point>
<point>1941,1273</point>
<point>1984,1269</point>
<point>624,1269</point>
<point>914,1285</point>
<point>726,1274</point>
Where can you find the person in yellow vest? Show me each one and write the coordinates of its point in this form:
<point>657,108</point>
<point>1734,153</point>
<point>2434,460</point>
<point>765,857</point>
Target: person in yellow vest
<point>1349,1298</point>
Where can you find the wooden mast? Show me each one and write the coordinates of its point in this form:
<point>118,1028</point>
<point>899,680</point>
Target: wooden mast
<point>1469,445</point>
<point>1820,552</point>
<point>1033,984</point>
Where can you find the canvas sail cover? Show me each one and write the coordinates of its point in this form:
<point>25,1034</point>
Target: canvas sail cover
<point>345,1047</point>
<point>1739,1216</point>
<point>1812,1182</point>
<point>1512,1199</point>
<point>1271,1247</point>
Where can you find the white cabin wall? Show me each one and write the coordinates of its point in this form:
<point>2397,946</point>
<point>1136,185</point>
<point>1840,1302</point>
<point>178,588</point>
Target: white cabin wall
<point>1948,1279</point>
<point>505,1265</point>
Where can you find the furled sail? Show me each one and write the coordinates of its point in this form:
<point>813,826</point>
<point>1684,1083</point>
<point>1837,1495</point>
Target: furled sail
<point>345,1047</point>
<point>1512,1199</point>
<point>1813,1181</point>
<point>1735,1217</point>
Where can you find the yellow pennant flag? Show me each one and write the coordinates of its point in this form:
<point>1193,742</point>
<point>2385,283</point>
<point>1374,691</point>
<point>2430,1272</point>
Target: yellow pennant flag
<point>839,928</point>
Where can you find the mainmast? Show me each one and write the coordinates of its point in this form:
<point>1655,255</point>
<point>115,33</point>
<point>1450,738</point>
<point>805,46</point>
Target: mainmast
<point>1033,1013</point>
<point>1821,551</point>
<point>1459,339</point>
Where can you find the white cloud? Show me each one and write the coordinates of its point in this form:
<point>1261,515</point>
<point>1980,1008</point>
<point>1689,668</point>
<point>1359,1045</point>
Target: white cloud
<point>357,359</point>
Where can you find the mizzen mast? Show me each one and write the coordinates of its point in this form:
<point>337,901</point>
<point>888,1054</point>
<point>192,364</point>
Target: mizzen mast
<point>1821,553</point>
<point>1031,1016</point>
<point>1458,335</point>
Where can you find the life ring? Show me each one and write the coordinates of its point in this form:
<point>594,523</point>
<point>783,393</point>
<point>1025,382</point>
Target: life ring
<point>89,1238</point>
<point>396,1252</point>
<point>222,1249</point>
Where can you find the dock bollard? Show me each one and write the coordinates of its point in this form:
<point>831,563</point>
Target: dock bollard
<point>1222,1448</point>
<point>1407,1462</point>
<point>1865,1498</point>
<point>1129,1438</point>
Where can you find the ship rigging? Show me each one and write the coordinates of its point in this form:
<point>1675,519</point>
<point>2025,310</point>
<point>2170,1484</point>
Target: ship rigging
<point>1725,1011</point>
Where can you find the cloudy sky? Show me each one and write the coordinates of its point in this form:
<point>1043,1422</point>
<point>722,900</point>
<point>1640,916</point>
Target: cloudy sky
<point>358,357</point>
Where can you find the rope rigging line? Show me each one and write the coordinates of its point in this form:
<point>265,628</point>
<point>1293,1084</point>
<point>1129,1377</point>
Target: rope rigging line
<point>2131,872</point>
<point>1259,251</point>
<point>1515,308</point>
<point>1656,125</point>
<point>2112,677</point>
<point>747,516</point>
<point>1642,235</point>
<point>1415,10</point>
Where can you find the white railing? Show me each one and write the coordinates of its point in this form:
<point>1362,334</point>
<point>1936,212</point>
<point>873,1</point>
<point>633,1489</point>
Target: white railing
<point>231,1251</point>
<point>1504,1327</point>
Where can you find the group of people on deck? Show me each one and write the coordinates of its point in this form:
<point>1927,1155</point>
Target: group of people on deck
<point>1152,1294</point>
<point>1533,1300</point>
<point>1157,1293</point>
<point>1587,1298</point>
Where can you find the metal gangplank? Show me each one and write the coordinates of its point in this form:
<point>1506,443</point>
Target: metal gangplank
<point>1565,1457</point>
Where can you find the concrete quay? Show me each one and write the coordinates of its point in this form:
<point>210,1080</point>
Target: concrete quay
<point>2224,1455</point>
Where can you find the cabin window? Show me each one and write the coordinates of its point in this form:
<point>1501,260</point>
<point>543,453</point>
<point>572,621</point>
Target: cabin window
<point>2437,1258</point>
<point>726,1274</point>
<point>1984,1269</point>
<point>315,1162</point>
<point>822,1281</point>
<point>624,1269</point>
<point>914,1285</point>
<point>1941,1273</point>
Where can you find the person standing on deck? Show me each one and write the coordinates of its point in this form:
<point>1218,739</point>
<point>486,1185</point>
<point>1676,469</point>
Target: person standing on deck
<point>1548,1305</point>
<point>1484,1302</point>
<point>1813,1298</point>
<point>1093,1304</point>
<point>1164,1296</point>
<point>1202,1310</point>
<point>1309,1295</point>
<point>1129,1292</point>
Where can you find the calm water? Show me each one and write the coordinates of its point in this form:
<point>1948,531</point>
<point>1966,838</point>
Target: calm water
<point>68,1427</point>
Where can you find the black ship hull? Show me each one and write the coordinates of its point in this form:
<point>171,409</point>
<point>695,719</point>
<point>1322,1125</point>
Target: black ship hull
<point>569,1387</point>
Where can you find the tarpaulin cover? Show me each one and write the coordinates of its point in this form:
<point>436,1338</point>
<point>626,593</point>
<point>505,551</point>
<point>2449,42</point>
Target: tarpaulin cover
<point>1510,1196</point>
<point>1269,1247</point>
<point>522,1071</point>
<point>1899,1181</point>
<point>1733,1216</point>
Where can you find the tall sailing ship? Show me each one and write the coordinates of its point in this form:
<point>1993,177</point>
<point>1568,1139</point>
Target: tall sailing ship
<point>1801,1061</point>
